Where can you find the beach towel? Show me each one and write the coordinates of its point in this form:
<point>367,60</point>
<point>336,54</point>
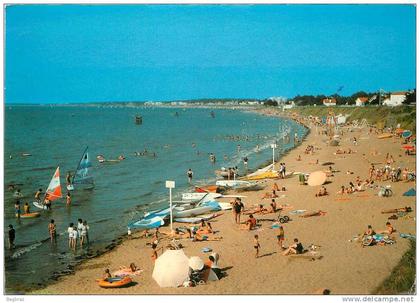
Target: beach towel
<point>297,211</point>
<point>206,249</point>
<point>410,193</point>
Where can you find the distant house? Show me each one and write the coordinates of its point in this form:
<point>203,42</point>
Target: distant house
<point>329,102</point>
<point>395,99</point>
<point>288,105</point>
<point>362,101</point>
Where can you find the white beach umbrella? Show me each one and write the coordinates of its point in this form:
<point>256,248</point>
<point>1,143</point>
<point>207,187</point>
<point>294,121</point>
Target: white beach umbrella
<point>317,178</point>
<point>171,268</point>
<point>196,263</point>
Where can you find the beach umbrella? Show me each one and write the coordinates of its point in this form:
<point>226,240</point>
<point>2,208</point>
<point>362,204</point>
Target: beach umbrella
<point>406,134</point>
<point>171,268</point>
<point>317,178</point>
<point>196,263</point>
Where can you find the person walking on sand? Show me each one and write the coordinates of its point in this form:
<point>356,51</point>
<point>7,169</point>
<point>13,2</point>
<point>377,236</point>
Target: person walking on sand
<point>280,237</point>
<point>190,175</point>
<point>257,246</point>
<point>12,235</point>
<point>52,230</point>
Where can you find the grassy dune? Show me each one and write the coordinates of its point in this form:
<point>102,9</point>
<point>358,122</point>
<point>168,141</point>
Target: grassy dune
<point>379,116</point>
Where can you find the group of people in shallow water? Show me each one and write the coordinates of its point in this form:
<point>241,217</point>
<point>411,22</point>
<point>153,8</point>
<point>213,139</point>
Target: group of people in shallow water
<point>79,232</point>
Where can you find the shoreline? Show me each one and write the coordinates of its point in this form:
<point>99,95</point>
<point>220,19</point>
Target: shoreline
<point>125,242</point>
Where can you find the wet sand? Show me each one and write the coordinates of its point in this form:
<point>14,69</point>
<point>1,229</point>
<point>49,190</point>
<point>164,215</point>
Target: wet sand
<point>345,267</point>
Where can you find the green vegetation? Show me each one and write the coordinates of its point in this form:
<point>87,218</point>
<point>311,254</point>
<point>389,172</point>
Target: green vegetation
<point>402,276</point>
<point>377,115</point>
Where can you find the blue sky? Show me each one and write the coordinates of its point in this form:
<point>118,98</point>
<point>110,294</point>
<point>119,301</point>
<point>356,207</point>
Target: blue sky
<point>91,53</point>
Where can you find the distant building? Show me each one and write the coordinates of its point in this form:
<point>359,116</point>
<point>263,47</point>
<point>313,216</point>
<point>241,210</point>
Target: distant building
<point>288,105</point>
<point>395,99</point>
<point>362,101</point>
<point>329,102</point>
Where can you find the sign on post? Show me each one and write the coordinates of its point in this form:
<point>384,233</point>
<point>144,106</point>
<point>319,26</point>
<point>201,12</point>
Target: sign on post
<point>170,185</point>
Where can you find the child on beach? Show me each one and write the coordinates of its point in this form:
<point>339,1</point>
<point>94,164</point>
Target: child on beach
<point>257,246</point>
<point>107,274</point>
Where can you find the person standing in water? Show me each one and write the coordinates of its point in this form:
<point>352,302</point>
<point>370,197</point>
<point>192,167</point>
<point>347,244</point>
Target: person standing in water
<point>47,202</point>
<point>190,175</point>
<point>68,199</point>
<point>17,209</point>
<point>38,195</point>
<point>26,208</point>
<point>12,235</point>
<point>52,229</point>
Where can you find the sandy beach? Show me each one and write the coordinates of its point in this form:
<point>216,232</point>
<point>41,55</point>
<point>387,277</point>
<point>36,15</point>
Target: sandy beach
<point>345,266</point>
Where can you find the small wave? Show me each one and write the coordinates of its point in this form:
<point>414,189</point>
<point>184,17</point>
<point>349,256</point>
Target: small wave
<point>43,168</point>
<point>25,250</point>
<point>147,194</point>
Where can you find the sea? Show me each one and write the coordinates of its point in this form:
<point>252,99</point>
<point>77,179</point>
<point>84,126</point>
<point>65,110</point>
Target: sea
<point>56,136</point>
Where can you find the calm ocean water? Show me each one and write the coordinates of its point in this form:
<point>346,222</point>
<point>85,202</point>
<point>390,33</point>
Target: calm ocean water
<point>57,136</point>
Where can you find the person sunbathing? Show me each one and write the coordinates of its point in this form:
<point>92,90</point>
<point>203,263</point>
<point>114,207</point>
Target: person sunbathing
<point>322,192</point>
<point>296,248</point>
<point>258,210</point>
<point>206,229</point>
<point>199,238</point>
<point>132,268</point>
<point>266,196</point>
<point>313,214</point>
